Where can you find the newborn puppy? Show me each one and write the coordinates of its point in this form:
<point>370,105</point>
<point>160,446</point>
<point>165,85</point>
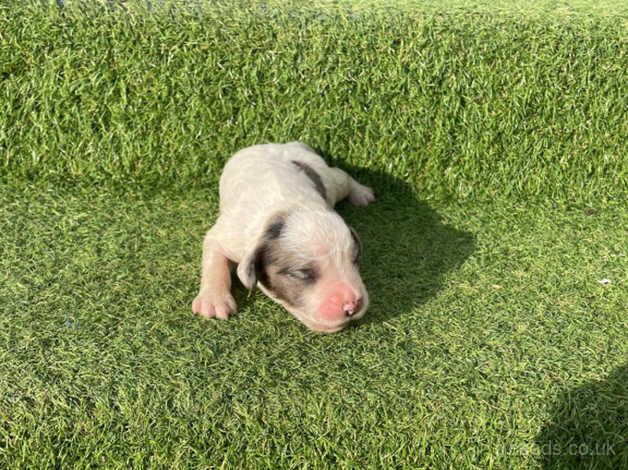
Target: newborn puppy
<point>278,224</point>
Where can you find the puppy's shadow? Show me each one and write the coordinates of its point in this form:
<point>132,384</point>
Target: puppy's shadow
<point>408,249</point>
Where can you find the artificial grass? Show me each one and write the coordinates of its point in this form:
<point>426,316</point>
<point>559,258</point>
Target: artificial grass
<point>495,139</point>
<point>489,337</point>
<point>460,100</point>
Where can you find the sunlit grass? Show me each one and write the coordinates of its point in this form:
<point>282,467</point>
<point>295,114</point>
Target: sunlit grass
<point>460,103</point>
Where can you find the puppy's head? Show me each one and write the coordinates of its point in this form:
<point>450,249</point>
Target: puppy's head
<point>308,262</point>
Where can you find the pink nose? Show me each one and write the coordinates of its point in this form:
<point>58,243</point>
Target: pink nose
<point>341,302</point>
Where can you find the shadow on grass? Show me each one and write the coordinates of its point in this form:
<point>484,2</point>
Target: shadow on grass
<point>407,247</point>
<point>589,428</point>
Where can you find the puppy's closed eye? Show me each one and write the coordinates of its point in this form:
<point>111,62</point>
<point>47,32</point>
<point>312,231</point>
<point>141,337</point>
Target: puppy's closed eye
<point>306,274</point>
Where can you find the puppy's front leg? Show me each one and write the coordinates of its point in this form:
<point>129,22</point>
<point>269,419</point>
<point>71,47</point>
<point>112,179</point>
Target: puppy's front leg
<point>214,298</point>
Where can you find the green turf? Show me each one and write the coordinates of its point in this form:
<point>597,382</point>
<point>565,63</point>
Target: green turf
<point>495,137</point>
<point>489,337</point>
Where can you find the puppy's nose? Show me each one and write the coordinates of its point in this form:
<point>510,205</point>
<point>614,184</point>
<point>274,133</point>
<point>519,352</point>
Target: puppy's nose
<point>351,308</point>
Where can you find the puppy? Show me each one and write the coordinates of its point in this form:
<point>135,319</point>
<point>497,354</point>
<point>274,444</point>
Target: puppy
<point>278,225</point>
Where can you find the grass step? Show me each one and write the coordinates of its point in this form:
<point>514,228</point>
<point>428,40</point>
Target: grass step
<point>462,101</point>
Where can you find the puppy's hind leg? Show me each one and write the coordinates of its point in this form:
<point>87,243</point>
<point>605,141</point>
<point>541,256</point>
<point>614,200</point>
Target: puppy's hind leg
<point>360,195</point>
<point>214,298</point>
<point>346,186</point>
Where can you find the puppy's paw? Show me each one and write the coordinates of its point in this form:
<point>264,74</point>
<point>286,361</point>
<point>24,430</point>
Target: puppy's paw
<point>210,304</point>
<point>361,195</point>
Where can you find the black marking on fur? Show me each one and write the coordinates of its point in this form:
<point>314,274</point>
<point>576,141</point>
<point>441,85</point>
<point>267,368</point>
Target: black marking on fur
<point>275,226</point>
<point>278,270</point>
<point>274,230</point>
<point>313,176</point>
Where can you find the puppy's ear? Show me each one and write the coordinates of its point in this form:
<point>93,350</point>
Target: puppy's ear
<point>357,249</point>
<point>252,267</point>
<point>247,268</point>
